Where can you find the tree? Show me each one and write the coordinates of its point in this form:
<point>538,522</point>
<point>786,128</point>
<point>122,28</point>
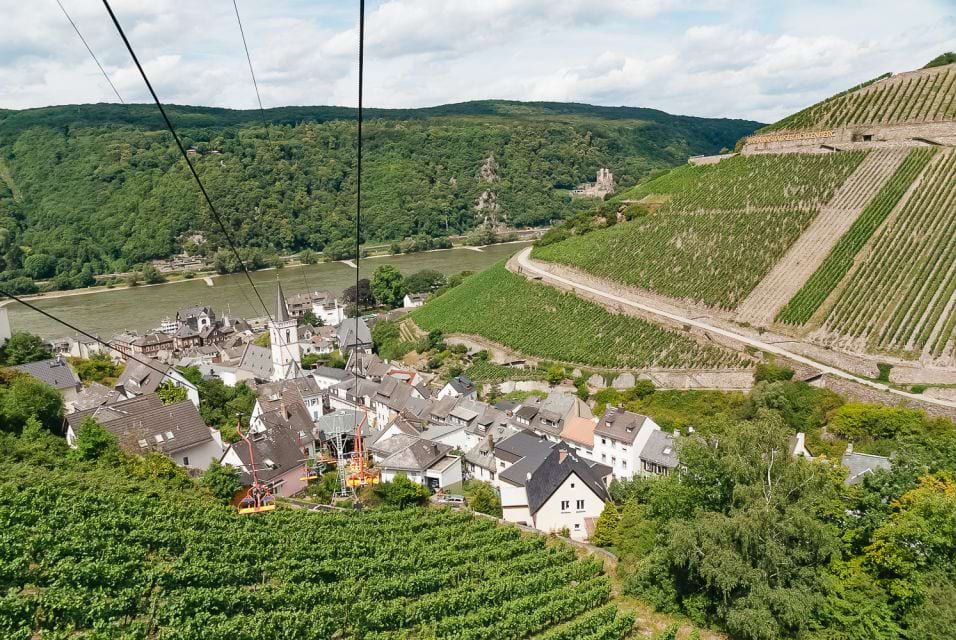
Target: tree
<point>221,480</point>
<point>606,527</point>
<point>309,360</point>
<point>388,285</point>
<point>308,256</point>
<point>99,367</point>
<point>23,347</point>
<point>310,319</point>
<point>425,281</point>
<point>769,372</point>
<point>151,274</point>
<point>642,389</point>
<point>93,442</point>
<point>39,266</point>
<point>25,397</point>
<point>171,393</point>
<point>361,297</point>
<point>402,492</point>
<point>555,374</point>
<point>483,498</point>
<point>262,340</point>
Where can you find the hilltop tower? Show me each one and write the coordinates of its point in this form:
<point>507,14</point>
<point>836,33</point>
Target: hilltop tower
<point>284,338</point>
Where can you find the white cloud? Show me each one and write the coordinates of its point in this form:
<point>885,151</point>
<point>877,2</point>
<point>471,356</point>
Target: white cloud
<point>750,58</point>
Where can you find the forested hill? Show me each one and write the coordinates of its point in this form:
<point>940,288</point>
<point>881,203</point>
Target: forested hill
<point>101,188</point>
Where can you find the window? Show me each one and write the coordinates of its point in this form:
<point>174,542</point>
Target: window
<point>603,457</point>
<point>624,464</point>
<point>603,441</point>
<point>501,464</point>
<point>169,435</point>
<point>579,505</point>
<point>572,485</point>
<point>577,526</point>
<point>185,461</point>
<point>158,438</point>
<point>613,461</point>
<point>565,505</point>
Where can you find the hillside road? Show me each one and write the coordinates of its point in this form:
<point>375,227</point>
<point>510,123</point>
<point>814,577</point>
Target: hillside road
<point>530,268</point>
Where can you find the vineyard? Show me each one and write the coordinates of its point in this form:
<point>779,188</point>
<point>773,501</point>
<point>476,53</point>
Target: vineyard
<point>904,292</point>
<point>486,371</point>
<point>766,182</point>
<point>90,553</point>
<point>927,95</point>
<point>829,274</point>
<point>540,321</point>
<point>700,244</point>
<point>811,249</point>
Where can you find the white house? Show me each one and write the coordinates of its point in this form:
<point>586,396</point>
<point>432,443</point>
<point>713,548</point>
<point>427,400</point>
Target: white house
<point>619,439</point>
<point>413,300</point>
<point>459,387</point>
<point>144,424</point>
<point>428,463</point>
<point>57,373</point>
<point>560,491</point>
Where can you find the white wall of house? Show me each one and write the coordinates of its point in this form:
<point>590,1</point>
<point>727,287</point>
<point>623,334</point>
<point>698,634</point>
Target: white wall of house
<point>475,472</point>
<point>389,474</point>
<point>177,379</point>
<point>514,504</point>
<point>331,315</point>
<point>567,507</point>
<point>199,456</point>
<point>446,472</point>
<point>622,457</point>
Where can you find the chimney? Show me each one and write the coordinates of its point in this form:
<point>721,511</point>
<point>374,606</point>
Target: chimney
<point>562,454</point>
<point>285,415</point>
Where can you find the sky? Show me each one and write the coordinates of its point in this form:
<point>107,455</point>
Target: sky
<point>755,59</point>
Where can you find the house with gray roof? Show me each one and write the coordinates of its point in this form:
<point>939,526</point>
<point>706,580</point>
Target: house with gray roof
<point>143,424</point>
<point>659,455</point>
<point>280,459</point>
<point>619,440</point>
<point>138,379</point>
<point>858,465</point>
<point>423,461</point>
<point>459,387</point>
<point>57,373</point>
<point>552,488</point>
<point>353,334</point>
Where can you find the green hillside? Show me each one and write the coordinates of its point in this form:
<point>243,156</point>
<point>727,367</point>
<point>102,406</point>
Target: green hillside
<point>101,187</point>
<point>540,321</point>
<point>926,95</point>
<point>129,548</point>
<point>701,243</point>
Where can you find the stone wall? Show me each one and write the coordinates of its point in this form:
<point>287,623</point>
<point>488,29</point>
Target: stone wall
<point>846,138</point>
<point>862,393</point>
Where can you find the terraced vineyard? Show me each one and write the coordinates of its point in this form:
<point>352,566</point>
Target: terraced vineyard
<point>904,293</point>
<point>769,182</point>
<point>829,274</point>
<point>93,554</point>
<point>540,321</point>
<point>927,95</point>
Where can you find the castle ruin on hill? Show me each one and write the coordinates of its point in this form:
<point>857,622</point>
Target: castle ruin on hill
<point>597,189</point>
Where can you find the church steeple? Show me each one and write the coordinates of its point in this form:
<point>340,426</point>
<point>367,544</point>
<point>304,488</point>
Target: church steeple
<point>284,338</point>
<point>282,311</point>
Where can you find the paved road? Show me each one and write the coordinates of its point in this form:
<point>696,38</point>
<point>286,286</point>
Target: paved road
<point>529,267</point>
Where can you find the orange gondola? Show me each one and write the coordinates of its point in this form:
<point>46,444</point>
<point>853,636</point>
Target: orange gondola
<point>259,498</point>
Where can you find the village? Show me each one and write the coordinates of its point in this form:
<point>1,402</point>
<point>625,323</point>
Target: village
<point>547,456</point>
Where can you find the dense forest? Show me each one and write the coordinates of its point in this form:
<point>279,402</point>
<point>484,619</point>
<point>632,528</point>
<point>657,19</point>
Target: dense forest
<point>94,189</point>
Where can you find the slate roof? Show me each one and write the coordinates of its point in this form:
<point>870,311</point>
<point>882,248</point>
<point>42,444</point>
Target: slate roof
<point>257,361</point>
<point>541,476</point>
<point>661,449</point>
<point>139,379</point>
<point>395,443</point>
<point>417,456</point>
<point>462,385</point>
<point>55,372</point>
<point>483,453</point>
<point>277,451</point>
<point>346,334</point>
<point>93,396</point>
<point>144,424</point>
<point>620,425</point>
<point>860,464</point>
<point>331,373</point>
<point>282,310</point>
<point>522,445</point>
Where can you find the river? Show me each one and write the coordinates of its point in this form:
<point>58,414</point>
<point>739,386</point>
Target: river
<point>109,312</point>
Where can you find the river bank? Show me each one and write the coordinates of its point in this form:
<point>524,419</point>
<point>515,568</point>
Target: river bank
<point>106,311</point>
